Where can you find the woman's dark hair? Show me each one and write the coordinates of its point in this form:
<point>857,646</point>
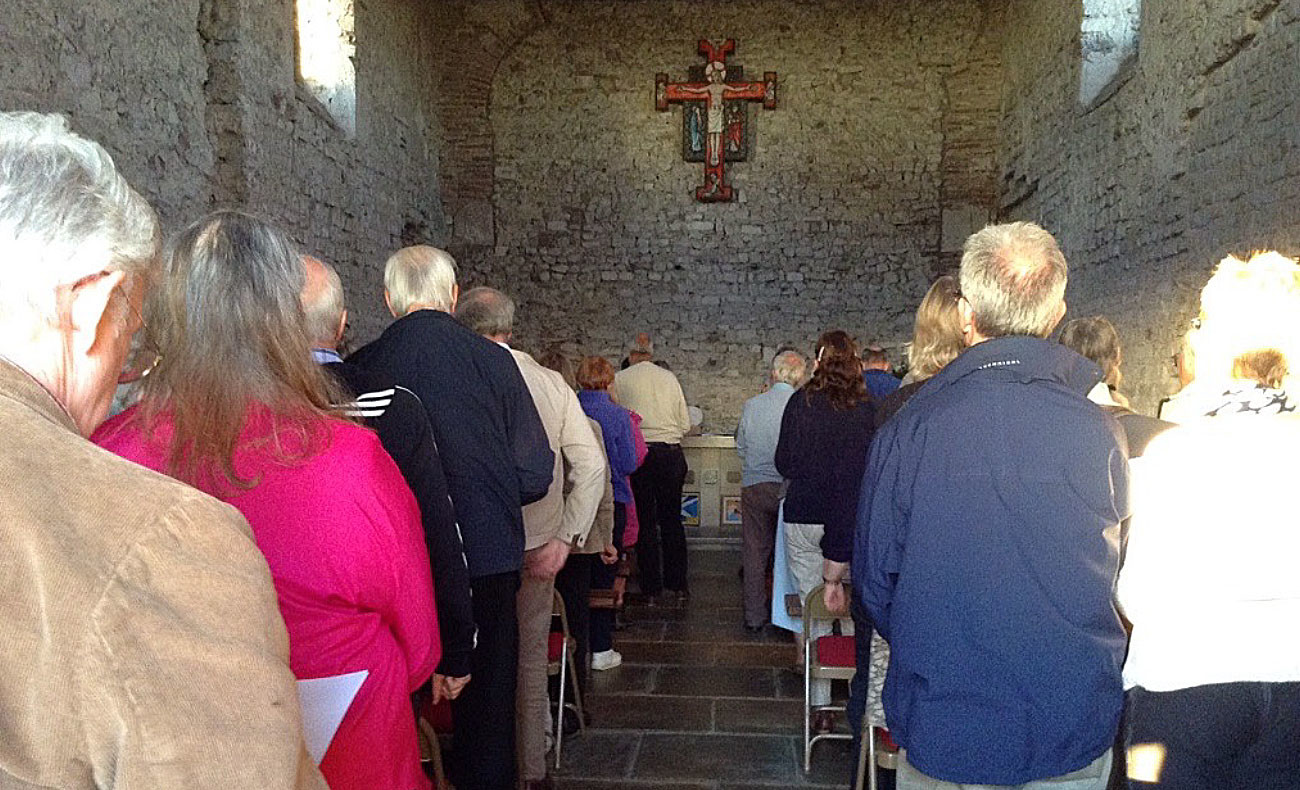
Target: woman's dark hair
<point>839,371</point>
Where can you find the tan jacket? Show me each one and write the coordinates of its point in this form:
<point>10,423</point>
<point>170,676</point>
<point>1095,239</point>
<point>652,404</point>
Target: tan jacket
<point>143,645</point>
<point>656,395</point>
<point>569,507</point>
<point>602,531</point>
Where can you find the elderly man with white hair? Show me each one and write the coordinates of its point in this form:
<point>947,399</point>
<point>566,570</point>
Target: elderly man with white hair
<point>144,645</point>
<point>497,459</point>
<point>761,484</point>
<point>988,543</point>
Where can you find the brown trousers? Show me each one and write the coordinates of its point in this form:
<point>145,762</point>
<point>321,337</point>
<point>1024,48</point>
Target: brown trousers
<point>533,707</point>
<point>758,512</point>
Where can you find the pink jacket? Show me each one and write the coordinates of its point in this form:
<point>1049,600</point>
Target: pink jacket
<point>341,533</point>
<point>633,528</point>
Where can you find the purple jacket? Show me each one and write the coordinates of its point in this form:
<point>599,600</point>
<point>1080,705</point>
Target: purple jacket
<point>616,424</point>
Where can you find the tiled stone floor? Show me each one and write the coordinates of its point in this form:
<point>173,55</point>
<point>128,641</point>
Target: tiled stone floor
<point>698,702</point>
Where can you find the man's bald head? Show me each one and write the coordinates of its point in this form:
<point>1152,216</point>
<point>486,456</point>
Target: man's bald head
<point>488,312</point>
<point>323,303</point>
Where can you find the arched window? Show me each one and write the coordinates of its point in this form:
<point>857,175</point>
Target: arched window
<point>326,47</point>
<point>1108,41</point>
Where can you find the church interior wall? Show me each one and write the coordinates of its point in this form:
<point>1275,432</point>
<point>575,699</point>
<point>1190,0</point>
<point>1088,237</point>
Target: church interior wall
<point>199,103</point>
<point>1192,155</point>
<point>883,135</point>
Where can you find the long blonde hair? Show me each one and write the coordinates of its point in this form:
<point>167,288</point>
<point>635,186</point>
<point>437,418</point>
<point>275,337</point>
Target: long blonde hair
<point>228,321</point>
<point>937,338</point>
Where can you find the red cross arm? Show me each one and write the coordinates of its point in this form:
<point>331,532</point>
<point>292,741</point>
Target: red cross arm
<point>764,91</point>
<point>666,91</point>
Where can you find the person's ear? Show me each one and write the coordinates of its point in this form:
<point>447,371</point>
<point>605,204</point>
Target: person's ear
<point>455,296</point>
<point>1060,313</point>
<point>967,314</point>
<point>388,302</point>
<point>88,315</point>
<point>343,324</point>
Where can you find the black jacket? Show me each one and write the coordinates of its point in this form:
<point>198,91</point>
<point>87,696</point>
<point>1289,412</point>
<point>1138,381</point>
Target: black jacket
<point>398,416</point>
<point>822,451</point>
<point>494,450</point>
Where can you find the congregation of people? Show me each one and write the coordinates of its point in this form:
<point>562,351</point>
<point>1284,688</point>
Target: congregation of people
<point>207,500</point>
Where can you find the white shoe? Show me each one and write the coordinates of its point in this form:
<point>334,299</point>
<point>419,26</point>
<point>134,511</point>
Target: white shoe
<point>606,659</point>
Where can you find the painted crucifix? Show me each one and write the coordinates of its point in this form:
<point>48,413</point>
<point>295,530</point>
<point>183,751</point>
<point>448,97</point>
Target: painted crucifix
<point>720,100</point>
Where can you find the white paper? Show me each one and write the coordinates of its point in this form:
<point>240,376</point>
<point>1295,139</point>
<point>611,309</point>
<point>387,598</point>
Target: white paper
<point>324,702</point>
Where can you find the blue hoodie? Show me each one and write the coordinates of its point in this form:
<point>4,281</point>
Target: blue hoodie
<point>986,551</point>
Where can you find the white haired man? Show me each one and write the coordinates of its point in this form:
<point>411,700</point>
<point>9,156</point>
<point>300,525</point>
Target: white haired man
<point>988,543</point>
<point>399,419</point>
<point>553,525</point>
<point>497,459</point>
<point>145,647</point>
<point>761,484</point>
<point>654,393</point>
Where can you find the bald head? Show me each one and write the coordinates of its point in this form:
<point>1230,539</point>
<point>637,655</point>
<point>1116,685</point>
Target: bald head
<point>488,312</point>
<point>323,303</point>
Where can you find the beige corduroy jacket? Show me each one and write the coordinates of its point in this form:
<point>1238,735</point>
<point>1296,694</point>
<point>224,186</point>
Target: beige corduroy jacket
<point>143,646</point>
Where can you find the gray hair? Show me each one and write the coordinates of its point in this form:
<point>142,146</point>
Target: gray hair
<point>420,275</point>
<point>789,367</point>
<point>641,344</point>
<point>323,302</point>
<point>65,213</point>
<point>486,311</point>
<point>1014,278</point>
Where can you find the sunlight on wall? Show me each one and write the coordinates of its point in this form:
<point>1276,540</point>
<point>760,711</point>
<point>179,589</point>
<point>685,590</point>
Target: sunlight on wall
<point>1108,40</point>
<point>326,47</point>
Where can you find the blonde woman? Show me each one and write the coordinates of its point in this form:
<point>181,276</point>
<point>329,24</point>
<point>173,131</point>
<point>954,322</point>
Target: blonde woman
<point>1210,581</point>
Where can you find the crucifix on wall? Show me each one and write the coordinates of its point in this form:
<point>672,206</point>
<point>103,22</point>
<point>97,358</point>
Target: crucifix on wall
<point>715,118</point>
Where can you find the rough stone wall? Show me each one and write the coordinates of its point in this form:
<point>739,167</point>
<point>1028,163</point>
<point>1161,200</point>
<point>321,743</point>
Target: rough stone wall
<point>1191,156</point>
<point>884,131</point>
<point>198,102</point>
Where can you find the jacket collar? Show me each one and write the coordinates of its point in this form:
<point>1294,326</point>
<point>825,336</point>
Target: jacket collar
<point>18,385</point>
<point>1020,358</point>
<point>595,396</point>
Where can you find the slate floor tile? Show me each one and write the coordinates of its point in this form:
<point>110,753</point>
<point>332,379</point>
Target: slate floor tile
<point>775,716</point>
<point>714,682</point>
<point>644,712</point>
<point>599,754</point>
<point>679,653</point>
<point>741,758</point>
<point>779,655</point>
<point>628,678</point>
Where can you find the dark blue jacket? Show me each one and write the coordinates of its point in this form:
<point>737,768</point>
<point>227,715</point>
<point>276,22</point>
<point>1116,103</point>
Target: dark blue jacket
<point>494,450</point>
<point>822,451</point>
<point>987,548</point>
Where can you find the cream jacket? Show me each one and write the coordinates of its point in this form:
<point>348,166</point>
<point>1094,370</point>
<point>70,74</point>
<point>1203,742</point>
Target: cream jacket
<point>143,645</point>
<point>656,395</point>
<point>569,507</point>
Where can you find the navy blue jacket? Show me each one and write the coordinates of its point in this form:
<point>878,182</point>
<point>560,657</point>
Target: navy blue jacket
<point>987,547</point>
<point>822,451</point>
<point>494,450</point>
<point>400,420</point>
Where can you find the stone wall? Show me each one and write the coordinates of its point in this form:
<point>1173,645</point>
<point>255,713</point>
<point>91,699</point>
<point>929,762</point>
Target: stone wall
<point>198,102</point>
<point>884,133</point>
<point>1189,156</point>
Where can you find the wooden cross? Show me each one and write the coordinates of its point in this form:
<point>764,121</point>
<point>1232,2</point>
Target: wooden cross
<point>714,91</point>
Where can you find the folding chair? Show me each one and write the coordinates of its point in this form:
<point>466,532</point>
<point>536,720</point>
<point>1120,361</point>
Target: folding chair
<point>873,720</point>
<point>828,657</point>
<point>560,649</point>
<point>431,720</point>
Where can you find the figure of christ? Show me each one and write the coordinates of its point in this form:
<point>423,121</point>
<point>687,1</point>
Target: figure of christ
<point>715,92</point>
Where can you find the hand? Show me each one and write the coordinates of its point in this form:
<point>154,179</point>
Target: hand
<point>836,599</point>
<point>609,555</point>
<point>445,688</point>
<point>834,594</point>
<point>546,560</point>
